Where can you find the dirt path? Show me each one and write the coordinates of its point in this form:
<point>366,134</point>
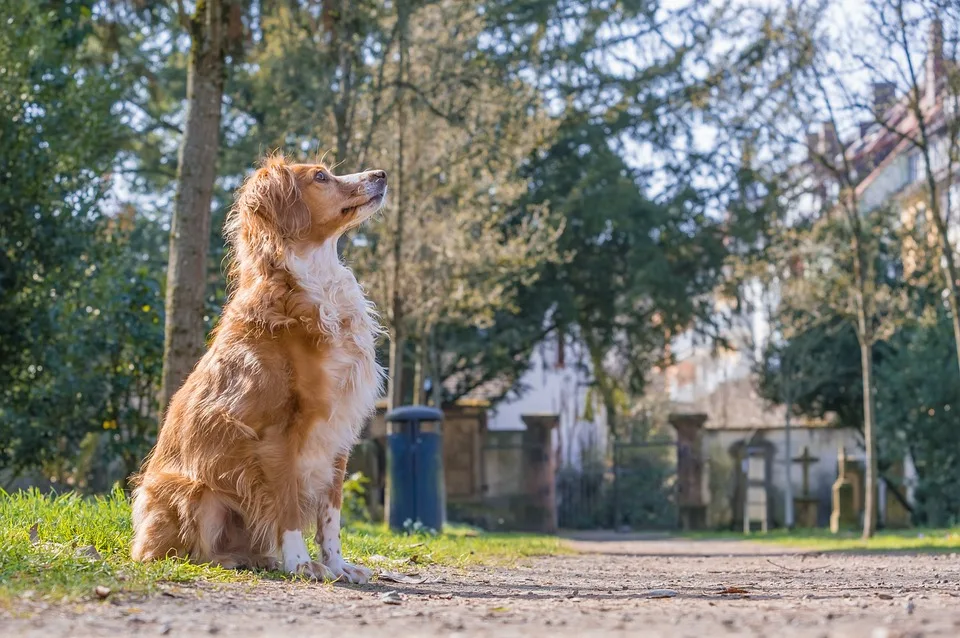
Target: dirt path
<point>604,590</point>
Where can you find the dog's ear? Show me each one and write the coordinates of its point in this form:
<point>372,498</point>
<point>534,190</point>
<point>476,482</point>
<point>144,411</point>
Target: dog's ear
<point>273,196</point>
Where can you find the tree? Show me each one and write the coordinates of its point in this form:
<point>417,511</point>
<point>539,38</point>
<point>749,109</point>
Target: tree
<point>925,119</point>
<point>796,93</point>
<point>452,247</point>
<point>216,31</point>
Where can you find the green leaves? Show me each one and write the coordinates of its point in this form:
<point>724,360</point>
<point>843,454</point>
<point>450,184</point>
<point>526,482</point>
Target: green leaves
<point>66,276</point>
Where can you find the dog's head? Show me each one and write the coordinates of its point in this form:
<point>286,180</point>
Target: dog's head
<point>290,203</point>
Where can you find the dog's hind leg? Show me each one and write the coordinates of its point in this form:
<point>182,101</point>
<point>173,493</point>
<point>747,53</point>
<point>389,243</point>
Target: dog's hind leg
<point>156,526</point>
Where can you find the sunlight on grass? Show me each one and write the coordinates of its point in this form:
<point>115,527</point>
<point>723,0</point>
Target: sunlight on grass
<point>906,540</point>
<point>59,564</point>
<point>933,540</point>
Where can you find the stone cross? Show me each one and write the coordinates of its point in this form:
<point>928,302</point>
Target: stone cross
<point>807,460</point>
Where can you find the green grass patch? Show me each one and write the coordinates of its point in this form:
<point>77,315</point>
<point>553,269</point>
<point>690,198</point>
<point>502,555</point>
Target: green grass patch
<point>918,540</point>
<point>57,562</point>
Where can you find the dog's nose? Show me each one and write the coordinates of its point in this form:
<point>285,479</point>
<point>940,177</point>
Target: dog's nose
<point>379,175</point>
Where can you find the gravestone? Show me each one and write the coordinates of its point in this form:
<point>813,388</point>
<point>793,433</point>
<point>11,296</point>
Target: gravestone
<point>805,506</point>
<point>895,514</point>
<point>845,513</point>
<point>756,501</point>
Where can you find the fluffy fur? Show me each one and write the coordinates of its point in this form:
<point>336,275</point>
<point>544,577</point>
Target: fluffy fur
<point>254,446</point>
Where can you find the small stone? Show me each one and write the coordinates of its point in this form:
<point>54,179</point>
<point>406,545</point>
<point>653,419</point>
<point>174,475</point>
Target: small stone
<point>165,629</point>
<point>213,629</point>
<point>909,606</point>
<point>661,593</point>
<point>101,591</point>
<point>291,620</point>
<point>391,598</point>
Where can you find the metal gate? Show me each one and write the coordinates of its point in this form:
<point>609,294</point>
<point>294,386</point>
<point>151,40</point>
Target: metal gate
<point>636,488</point>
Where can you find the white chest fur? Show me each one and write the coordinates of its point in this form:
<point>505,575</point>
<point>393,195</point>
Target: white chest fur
<point>348,321</point>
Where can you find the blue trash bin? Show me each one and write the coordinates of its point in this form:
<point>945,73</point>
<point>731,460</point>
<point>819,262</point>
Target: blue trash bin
<point>414,467</point>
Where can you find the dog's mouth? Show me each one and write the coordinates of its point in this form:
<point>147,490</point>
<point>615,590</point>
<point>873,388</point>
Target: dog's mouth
<point>375,200</point>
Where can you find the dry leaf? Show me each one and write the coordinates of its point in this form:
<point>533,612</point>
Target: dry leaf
<point>34,534</point>
<point>406,579</point>
<point>733,590</point>
<point>90,552</point>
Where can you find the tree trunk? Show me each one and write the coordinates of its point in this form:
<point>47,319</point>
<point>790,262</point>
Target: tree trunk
<point>196,171</point>
<point>865,315</point>
<point>397,336</point>
<point>870,477</point>
<point>436,387</point>
<point>420,371</point>
<point>395,370</point>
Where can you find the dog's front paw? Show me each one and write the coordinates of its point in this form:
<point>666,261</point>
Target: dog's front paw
<point>315,570</point>
<point>356,574</point>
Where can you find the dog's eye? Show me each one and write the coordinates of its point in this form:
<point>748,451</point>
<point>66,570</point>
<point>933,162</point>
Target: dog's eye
<point>320,176</point>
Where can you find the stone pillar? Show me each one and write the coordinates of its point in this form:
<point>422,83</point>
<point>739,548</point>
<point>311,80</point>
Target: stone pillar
<point>539,472</point>
<point>692,509</point>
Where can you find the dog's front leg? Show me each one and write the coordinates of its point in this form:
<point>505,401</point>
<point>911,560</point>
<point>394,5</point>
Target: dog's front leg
<point>293,547</point>
<point>328,529</point>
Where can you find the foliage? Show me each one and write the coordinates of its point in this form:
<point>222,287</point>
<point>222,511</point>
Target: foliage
<point>354,508</point>
<point>90,395</point>
<point>76,340</point>
<point>917,414</point>
<point>638,271</point>
<point>61,563</point>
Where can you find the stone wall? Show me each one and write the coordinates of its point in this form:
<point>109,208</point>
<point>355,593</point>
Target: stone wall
<point>494,479</point>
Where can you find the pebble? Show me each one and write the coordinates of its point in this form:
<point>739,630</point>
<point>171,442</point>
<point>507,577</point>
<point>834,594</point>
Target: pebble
<point>391,598</point>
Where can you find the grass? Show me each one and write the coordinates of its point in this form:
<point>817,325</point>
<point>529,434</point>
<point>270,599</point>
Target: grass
<point>55,560</point>
<point>917,540</point>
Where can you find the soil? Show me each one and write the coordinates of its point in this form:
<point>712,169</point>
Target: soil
<point>615,586</point>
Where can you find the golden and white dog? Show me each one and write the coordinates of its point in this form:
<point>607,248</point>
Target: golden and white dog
<point>254,446</point>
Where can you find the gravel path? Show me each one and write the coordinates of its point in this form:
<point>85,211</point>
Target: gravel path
<point>627,586</point>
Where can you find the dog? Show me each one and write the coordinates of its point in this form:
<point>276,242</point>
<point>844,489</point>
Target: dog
<point>254,445</point>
